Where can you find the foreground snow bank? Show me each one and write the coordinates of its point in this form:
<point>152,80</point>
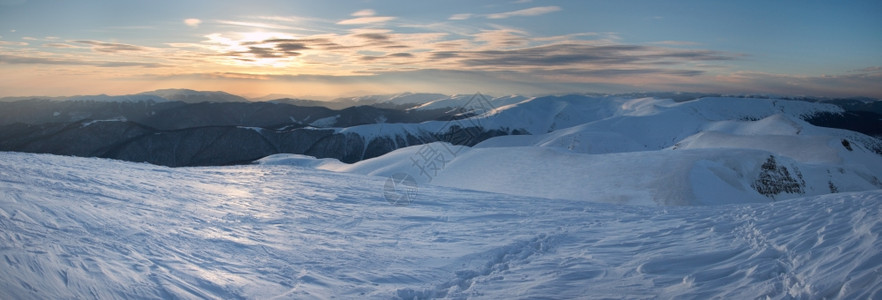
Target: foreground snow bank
<point>93,228</point>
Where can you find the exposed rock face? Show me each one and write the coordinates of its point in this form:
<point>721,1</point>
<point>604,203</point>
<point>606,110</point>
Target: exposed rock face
<point>775,179</point>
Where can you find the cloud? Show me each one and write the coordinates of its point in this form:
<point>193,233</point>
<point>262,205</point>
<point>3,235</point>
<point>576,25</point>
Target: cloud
<point>365,16</point>
<point>578,54</point>
<point>457,17</point>
<point>676,43</point>
<point>393,55</point>
<point>17,59</point>
<point>270,48</point>
<point>192,22</point>
<point>374,36</point>
<point>59,45</point>
<point>364,13</point>
<point>613,72</point>
<point>10,43</point>
<point>500,50</point>
<point>274,52</point>
<point>106,47</point>
<point>265,52</point>
<point>287,47</point>
<point>868,70</point>
<point>847,85</point>
<point>502,38</point>
<point>534,11</point>
<point>569,63</point>
<point>591,60</point>
<point>365,20</point>
<point>256,25</point>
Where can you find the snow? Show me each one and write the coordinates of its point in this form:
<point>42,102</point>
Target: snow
<point>325,122</point>
<point>546,114</point>
<point>371,131</point>
<point>596,125</point>
<point>636,151</point>
<point>299,160</point>
<point>683,177</point>
<point>428,101</point>
<point>255,129</point>
<point>95,228</point>
<point>457,101</point>
<point>92,122</point>
<point>397,99</point>
<point>547,215</point>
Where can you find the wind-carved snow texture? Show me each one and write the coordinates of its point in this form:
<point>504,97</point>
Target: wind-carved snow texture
<point>95,228</point>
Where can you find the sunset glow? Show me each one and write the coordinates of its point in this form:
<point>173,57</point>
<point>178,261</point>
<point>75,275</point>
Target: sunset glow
<point>338,48</point>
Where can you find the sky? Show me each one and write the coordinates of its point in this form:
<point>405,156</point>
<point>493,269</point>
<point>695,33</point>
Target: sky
<point>327,49</point>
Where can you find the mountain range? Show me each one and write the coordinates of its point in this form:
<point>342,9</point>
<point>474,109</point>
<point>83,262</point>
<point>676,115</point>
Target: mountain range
<point>423,196</point>
<point>178,127</point>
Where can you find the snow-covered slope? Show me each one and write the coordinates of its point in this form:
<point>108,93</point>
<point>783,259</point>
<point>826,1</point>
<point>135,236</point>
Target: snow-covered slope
<point>427,101</point>
<point>93,228</point>
<point>682,177</point>
<point>395,99</point>
<point>643,116</point>
<point>607,124</point>
<point>643,151</point>
<point>465,100</point>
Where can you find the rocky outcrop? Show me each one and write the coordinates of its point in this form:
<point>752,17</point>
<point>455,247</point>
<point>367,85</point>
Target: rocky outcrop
<point>775,179</point>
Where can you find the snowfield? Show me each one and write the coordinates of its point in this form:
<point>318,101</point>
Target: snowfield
<point>95,228</point>
<point>647,151</point>
<point>736,199</point>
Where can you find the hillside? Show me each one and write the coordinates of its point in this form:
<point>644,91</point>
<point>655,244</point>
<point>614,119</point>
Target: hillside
<point>174,133</point>
<point>95,228</point>
<point>642,151</point>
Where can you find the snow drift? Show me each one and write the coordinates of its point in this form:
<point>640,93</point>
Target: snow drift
<point>95,228</point>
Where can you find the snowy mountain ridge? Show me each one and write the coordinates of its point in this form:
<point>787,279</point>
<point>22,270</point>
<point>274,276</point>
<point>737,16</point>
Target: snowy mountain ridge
<point>654,151</point>
<point>544,197</point>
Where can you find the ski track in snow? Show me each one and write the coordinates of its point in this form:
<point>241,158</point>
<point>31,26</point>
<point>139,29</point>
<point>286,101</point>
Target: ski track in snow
<point>94,228</point>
